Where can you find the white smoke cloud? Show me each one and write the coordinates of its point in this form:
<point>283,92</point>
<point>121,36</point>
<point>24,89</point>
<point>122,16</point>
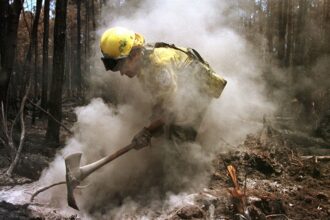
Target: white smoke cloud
<point>137,177</point>
<point>207,27</point>
<point>144,178</point>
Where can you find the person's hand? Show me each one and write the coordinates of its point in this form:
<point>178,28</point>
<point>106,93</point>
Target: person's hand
<point>142,139</point>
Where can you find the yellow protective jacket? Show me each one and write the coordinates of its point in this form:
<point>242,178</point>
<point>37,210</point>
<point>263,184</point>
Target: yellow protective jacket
<point>164,64</point>
<point>179,81</point>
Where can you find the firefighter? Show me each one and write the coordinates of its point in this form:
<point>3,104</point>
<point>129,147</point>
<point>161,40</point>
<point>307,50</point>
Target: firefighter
<point>180,82</point>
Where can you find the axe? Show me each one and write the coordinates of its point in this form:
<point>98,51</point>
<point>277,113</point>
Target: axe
<point>76,173</point>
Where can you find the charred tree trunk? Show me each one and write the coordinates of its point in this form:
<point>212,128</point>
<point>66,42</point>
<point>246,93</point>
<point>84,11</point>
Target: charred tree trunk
<point>55,101</point>
<point>78,68</point>
<point>68,65</point>
<point>326,32</point>
<point>44,87</point>
<point>299,43</point>
<point>269,27</point>
<point>3,27</point>
<point>73,63</point>
<point>281,30</point>
<point>288,51</point>
<point>3,33</point>
<point>9,19</point>
<point>87,31</point>
<point>302,94</point>
<point>93,16</point>
<point>34,40</point>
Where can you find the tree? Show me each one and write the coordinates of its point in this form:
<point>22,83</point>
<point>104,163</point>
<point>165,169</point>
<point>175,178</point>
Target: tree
<point>299,34</point>
<point>9,18</point>
<point>282,25</point>
<point>287,57</point>
<point>326,21</point>
<point>55,101</point>
<point>269,27</point>
<point>78,68</point>
<point>34,39</point>
<point>44,88</point>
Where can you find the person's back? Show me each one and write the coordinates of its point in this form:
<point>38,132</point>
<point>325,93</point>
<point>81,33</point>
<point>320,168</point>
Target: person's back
<point>180,82</point>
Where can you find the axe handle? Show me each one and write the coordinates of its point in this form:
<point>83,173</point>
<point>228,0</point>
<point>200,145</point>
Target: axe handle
<point>155,126</point>
<point>90,168</point>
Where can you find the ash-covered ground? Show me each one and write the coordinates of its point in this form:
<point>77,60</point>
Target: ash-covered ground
<point>281,174</point>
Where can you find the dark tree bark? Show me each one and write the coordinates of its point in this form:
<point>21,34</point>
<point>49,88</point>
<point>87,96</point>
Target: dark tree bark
<point>269,27</point>
<point>299,35</point>
<point>288,51</point>
<point>282,24</point>
<point>44,88</point>
<point>326,21</point>
<point>55,100</point>
<point>34,40</point>
<point>78,68</point>
<point>32,44</point>
<point>69,62</point>
<point>9,19</point>
<point>3,27</point>
<point>86,64</point>
<point>72,84</point>
<point>304,93</point>
<point>93,16</point>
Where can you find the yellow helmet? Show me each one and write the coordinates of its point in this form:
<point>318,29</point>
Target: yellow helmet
<point>117,42</point>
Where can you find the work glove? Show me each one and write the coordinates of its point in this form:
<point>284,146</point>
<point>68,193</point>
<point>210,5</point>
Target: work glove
<point>142,139</point>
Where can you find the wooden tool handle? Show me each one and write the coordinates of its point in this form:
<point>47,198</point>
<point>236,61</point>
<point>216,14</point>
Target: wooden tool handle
<point>155,126</point>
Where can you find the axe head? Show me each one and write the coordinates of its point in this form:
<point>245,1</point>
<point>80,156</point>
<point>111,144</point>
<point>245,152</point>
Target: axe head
<point>72,167</point>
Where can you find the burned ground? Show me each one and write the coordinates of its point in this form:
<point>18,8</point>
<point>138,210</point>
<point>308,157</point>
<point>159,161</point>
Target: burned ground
<point>278,178</point>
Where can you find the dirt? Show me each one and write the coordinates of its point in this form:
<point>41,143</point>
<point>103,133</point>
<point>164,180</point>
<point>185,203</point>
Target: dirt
<point>10,211</point>
<point>274,180</point>
<point>277,182</point>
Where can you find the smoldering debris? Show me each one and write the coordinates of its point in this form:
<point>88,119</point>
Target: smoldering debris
<point>294,187</point>
<point>141,177</point>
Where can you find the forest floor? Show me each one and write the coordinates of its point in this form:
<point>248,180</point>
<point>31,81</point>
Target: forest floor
<point>274,180</point>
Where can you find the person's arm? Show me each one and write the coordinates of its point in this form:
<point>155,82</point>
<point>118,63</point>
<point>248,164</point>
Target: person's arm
<point>143,137</point>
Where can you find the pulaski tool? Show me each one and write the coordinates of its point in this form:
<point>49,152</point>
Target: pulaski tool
<point>76,173</point>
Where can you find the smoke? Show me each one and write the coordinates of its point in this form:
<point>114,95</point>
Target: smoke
<point>135,179</point>
<point>207,27</point>
<point>142,183</point>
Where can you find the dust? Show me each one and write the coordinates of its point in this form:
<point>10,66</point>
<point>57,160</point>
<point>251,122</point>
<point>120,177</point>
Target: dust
<point>143,178</point>
<point>146,182</point>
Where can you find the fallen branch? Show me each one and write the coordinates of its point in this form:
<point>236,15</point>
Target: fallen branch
<point>46,112</point>
<point>316,158</point>
<point>241,216</point>
<point>22,138</point>
<point>44,189</point>
<point>277,215</point>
